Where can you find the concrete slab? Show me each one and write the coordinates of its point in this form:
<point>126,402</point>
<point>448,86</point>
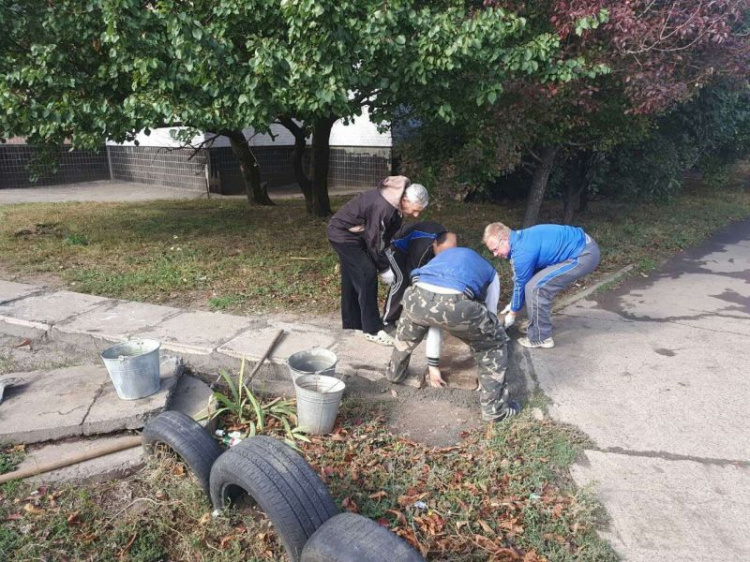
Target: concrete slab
<point>115,465</point>
<point>648,386</point>
<point>23,328</point>
<point>117,323</point>
<point>197,333</point>
<point>45,405</point>
<point>52,404</point>
<point>195,398</point>
<point>50,308</point>
<point>12,291</point>
<point>671,510</point>
<point>108,413</point>
<point>252,344</point>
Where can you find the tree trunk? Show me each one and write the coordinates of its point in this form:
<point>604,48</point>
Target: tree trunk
<point>256,192</point>
<point>539,185</point>
<point>300,143</point>
<point>584,201</point>
<point>321,155</point>
<point>576,187</point>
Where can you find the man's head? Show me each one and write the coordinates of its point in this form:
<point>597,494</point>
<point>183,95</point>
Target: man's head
<point>415,200</point>
<point>497,239</point>
<point>444,241</point>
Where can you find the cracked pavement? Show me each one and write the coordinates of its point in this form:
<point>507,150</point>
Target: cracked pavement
<point>656,373</point>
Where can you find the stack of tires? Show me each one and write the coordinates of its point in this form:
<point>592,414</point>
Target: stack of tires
<point>284,486</point>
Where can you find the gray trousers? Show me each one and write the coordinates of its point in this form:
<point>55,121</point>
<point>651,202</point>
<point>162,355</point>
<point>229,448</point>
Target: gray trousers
<point>542,288</point>
<point>469,321</point>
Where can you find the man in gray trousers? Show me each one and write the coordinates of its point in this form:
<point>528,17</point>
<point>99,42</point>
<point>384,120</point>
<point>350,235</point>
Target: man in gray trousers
<point>546,259</point>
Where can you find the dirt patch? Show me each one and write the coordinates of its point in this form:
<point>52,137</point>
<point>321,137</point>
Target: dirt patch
<point>435,423</point>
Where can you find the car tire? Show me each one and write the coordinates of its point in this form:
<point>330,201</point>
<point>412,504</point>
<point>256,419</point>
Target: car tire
<point>281,482</point>
<point>349,537</point>
<point>188,439</point>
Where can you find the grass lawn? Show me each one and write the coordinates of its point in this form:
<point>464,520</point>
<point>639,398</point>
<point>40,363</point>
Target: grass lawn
<point>503,494</point>
<point>224,255</point>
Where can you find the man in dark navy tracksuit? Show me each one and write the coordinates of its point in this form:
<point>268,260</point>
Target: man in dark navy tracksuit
<point>412,247</point>
<point>546,259</point>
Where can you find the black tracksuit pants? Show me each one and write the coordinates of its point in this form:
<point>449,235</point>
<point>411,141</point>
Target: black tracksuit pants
<point>359,289</point>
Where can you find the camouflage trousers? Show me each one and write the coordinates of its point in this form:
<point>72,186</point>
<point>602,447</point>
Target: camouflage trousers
<point>469,321</point>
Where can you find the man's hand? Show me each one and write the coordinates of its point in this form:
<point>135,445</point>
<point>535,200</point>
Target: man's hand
<point>505,310</point>
<point>388,277</point>
<point>436,379</point>
<point>510,318</point>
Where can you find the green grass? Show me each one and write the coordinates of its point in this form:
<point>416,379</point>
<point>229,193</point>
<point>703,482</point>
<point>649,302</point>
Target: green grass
<point>225,255</point>
<point>11,457</point>
<point>503,487</point>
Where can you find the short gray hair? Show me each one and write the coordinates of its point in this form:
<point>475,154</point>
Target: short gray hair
<point>495,230</point>
<point>417,193</point>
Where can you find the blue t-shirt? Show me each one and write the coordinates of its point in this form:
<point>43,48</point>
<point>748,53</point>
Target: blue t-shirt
<point>461,269</point>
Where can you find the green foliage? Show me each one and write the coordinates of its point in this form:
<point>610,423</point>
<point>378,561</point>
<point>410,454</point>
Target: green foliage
<point>245,410</point>
<point>76,239</point>
<point>108,69</point>
<point>709,134</point>
<point>11,457</point>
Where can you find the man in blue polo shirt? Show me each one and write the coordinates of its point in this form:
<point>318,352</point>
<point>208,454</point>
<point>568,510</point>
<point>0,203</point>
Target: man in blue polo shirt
<point>450,292</point>
<point>546,259</point>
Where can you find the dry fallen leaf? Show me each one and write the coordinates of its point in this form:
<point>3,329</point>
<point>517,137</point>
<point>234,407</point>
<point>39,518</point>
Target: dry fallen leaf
<point>32,509</point>
<point>205,519</point>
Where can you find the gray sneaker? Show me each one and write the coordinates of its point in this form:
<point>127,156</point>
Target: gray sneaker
<point>546,344</point>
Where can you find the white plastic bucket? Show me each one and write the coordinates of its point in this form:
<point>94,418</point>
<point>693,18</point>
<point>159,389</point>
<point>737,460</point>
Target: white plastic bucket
<point>134,368</point>
<point>315,361</point>
<point>318,401</point>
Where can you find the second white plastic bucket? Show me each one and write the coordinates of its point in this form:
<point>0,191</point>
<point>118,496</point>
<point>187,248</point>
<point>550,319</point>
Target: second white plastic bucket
<point>318,401</point>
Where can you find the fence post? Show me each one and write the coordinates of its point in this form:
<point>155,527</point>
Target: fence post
<point>109,162</point>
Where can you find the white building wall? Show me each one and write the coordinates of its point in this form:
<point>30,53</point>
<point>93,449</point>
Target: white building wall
<point>360,132</point>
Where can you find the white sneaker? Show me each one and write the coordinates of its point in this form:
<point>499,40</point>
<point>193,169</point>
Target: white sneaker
<point>382,338</point>
<point>546,344</point>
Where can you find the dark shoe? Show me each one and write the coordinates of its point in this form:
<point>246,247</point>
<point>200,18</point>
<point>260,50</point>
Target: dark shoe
<point>511,410</point>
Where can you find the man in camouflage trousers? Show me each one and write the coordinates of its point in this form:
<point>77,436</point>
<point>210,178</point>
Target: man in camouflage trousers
<point>450,292</point>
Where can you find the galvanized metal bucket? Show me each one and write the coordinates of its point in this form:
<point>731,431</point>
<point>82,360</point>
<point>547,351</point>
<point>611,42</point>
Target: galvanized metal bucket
<point>134,368</point>
<point>318,401</point>
<point>315,361</point>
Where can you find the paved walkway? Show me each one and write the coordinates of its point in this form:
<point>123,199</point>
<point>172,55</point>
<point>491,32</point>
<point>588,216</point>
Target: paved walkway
<point>114,191</point>
<point>657,373</point>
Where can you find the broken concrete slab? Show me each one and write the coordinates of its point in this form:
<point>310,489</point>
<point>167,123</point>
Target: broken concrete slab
<point>195,398</point>
<point>34,315</point>
<point>108,413</point>
<point>197,334</point>
<point>115,465</point>
<point>48,404</point>
<point>115,323</point>
<point>671,509</point>
<point>11,291</point>
<point>72,401</point>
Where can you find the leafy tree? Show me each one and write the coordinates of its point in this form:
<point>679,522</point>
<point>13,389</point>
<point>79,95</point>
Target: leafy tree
<point>109,68</point>
<point>660,55</point>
